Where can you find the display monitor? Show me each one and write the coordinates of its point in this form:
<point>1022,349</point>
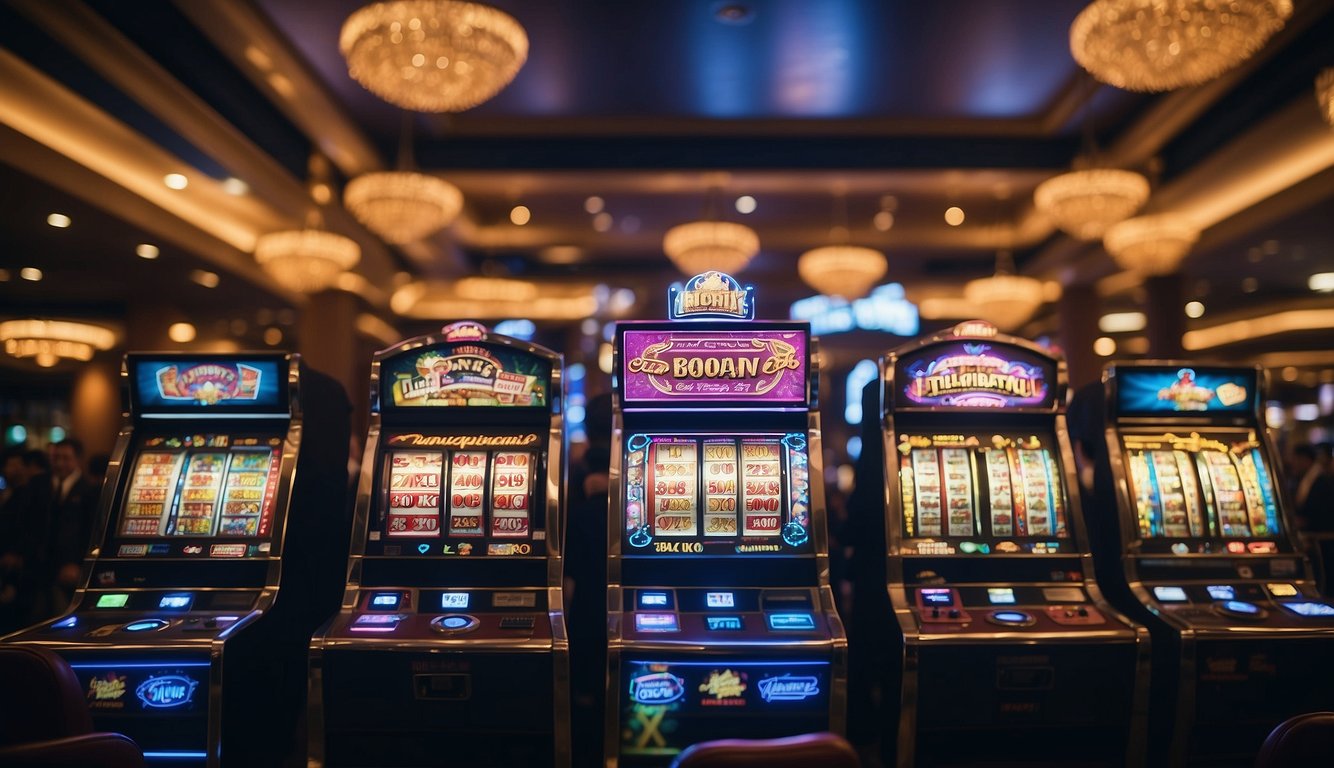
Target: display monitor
<point>471,374</point>
<point>716,494</point>
<point>1201,485</point>
<point>975,374</point>
<point>199,486</point>
<point>1185,390</point>
<point>1000,492</point>
<point>203,386</point>
<point>1170,594</point>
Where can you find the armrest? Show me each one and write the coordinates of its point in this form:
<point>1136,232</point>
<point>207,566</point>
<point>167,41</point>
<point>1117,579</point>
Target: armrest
<point>91,750</point>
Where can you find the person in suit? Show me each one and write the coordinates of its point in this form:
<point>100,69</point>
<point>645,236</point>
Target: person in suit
<point>69,522</point>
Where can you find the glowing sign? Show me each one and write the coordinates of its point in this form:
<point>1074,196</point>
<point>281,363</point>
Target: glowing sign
<point>166,691</point>
<point>711,295</point>
<point>725,686</point>
<point>117,600</point>
<point>720,599</point>
<point>657,688</point>
<point>1157,389</point>
<point>105,691</point>
<point>723,623</point>
<point>976,375</point>
<point>465,374</point>
<point>179,602</point>
<point>209,383</point>
<point>767,365</point>
<point>791,621</point>
<point>454,600</point>
<point>886,309</point>
<point>789,688</point>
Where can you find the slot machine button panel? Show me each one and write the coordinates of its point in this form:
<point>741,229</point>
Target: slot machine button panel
<point>454,623</point>
<point>1011,618</point>
<point>517,622</point>
<point>1240,609</point>
<point>146,625</point>
<point>1075,615</point>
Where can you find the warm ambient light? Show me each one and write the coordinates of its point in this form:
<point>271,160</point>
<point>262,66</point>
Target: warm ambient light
<point>306,261</point>
<point>1122,322</point>
<point>603,222</point>
<point>401,206</point>
<point>1163,46</point>
<point>205,278</point>
<point>520,215</point>
<point>234,186</point>
<point>31,273</point>
<point>1194,309</point>
<point>847,271</point>
<point>433,55</point>
<point>1104,346</point>
<point>704,245</point>
<point>1321,282</point>
<point>1289,321</point>
<point>495,289</point>
<point>175,181</point>
<point>883,221</point>
<point>146,251</point>
<point>1006,300</point>
<point>181,333</point>
<point>594,204</point>
<point>58,220</point>
<point>745,204</point>
<point>1324,94</point>
<point>1151,245</point>
<point>954,216</point>
<point>1085,203</point>
<point>47,342</point>
<point>273,336</point>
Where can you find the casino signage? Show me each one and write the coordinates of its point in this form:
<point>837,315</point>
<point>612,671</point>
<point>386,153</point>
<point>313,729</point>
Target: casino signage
<point>975,375</point>
<point>711,295</point>
<point>466,374</point>
<point>753,365</point>
<point>657,688</point>
<point>208,383</point>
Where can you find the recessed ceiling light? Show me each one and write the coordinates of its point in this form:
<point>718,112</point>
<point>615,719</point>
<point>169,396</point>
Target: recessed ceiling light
<point>594,204</point>
<point>175,181</point>
<point>205,278</point>
<point>1122,322</point>
<point>745,204</point>
<point>1104,346</point>
<point>1194,309</point>
<point>58,220</point>
<point>954,216</point>
<point>1250,285</point>
<point>146,251</point>
<point>520,215</point>
<point>181,333</point>
<point>30,273</point>
<point>602,222</point>
<point>1322,282</point>
<point>273,336</point>
<point>883,221</point>
<point>234,186</point>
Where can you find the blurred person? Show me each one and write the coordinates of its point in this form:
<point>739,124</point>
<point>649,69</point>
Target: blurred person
<point>1313,491</point>
<point>69,522</point>
<point>23,539</point>
<point>97,469</point>
<point>1324,456</point>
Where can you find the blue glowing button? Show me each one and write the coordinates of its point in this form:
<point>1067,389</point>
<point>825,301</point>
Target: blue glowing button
<point>653,599</point>
<point>146,625</point>
<point>178,602</point>
<point>656,622</point>
<point>115,600</point>
<point>66,622</point>
<point>724,623</point>
<point>791,622</point>
<point>1310,608</point>
<point>376,622</point>
<point>454,623</point>
<point>385,601</point>
<point>1240,609</point>
<point>1222,592</point>
<point>1011,618</point>
<point>1170,594</point>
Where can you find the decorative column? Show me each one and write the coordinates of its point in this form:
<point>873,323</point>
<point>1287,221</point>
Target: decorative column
<point>1165,311</point>
<point>1078,310</point>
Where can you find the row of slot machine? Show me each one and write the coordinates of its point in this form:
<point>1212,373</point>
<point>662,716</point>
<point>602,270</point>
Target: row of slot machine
<point>217,604</point>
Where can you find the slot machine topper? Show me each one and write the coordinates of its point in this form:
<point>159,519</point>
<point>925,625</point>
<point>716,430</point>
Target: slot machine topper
<point>722,622</point>
<point>451,641</point>
<point>228,474</point>
<point>1207,555</point>
<point>989,573</point>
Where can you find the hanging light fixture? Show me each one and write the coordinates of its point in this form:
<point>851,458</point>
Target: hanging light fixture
<point>1151,245</point>
<point>1324,94</point>
<point>703,245</point>
<point>306,260</point>
<point>47,342</point>
<point>846,271</point>
<point>1084,203</point>
<point>433,55</point>
<point>1006,299</point>
<point>402,206</point>
<point>1163,45</point>
<point>485,288</point>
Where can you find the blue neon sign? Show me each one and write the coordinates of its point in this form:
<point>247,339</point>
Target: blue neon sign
<point>886,309</point>
<point>166,691</point>
<point>657,688</point>
<point>789,687</point>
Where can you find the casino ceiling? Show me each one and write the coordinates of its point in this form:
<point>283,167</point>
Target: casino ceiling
<point>827,114</point>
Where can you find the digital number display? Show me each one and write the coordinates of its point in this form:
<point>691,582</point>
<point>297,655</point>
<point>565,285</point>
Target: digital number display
<point>938,596</point>
<point>720,600</point>
<point>1222,592</point>
<point>454,600</point>
<point>1000,595</point>
<point>118,600</point>
<point>1170,594</point>
<point>656,622</point>
<point>179,602</point>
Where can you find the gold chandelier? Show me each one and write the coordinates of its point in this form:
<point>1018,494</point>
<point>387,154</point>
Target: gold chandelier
<point>703,245</point>
<point>1163,45</point>
<point>433,55</point>
<point>1151,245</point>
<point>1324,94</point>
<point>1085,203</point>
<point>402,206</point>
<point>47,342</point>
<point>1006,299</point>
<point>847,271</point>
<point>308,260</point>
<point>484,288</point>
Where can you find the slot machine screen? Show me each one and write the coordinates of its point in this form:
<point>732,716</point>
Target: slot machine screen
<point>1185,391</point>
<point>1201,485</point>
<point>715,494</point>
<point>199,486</point>
<point>998,492</point>
<point>205,386</point>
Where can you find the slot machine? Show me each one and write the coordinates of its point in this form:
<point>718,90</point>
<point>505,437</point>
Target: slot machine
<point>1207,555</point>
<point>450,645</point>
<point>721,620</point>
<point>1005,638</point>
<point>228,470</point>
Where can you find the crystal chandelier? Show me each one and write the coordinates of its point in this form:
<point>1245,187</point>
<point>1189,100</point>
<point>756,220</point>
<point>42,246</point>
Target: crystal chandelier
<point>402,206</point>
<point>1006,299</point>
<point>703,245</point>
<point>1163,45</point>
<point>495,289</point>
<point>847,271</point>
<point>308,260</point>
<point>1151,245</point>
<point>433,55</point>
<point>1085,203</point>
<point>1324,94</point>
<point>47,342</point>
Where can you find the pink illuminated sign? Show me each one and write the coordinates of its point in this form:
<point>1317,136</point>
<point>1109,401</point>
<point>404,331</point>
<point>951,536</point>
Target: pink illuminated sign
<point>750,366</point>
<point>976,375</point>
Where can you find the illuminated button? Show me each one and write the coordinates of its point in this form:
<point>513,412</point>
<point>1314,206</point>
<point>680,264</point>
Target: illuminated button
<point>1011,618</point>
<point>801,622</point>
<point>66,623</point>
<point>724,623</point>
<point>146,625</point>
<point>454,623</point>
<point>1240,609</point>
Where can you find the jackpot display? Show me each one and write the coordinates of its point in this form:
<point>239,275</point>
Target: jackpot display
<point>221,476</point>
<point>1202,552</point>
<point>723,622</point>
<point>452,625</point>
<point>989,582</point>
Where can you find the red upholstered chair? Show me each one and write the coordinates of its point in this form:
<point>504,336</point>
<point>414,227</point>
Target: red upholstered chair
<point>812,749</point>
<point>44,721</point>
<point>1299,742</point>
